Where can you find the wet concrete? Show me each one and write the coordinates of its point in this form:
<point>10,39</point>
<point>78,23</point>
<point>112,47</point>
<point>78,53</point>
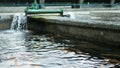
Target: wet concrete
<point>5,21</point>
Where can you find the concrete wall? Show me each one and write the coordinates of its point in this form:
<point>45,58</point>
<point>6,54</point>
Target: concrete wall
<point>5,21</point>
<point>94,34</point>
<point>90,34</point>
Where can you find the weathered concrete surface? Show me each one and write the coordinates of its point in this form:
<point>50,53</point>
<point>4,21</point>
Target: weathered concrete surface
<point>12,9</point>
<point>5,21</point>
<point>83,27</point>
<point>106,16</point>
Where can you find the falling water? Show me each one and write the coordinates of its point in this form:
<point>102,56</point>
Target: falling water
<point>19,22</point>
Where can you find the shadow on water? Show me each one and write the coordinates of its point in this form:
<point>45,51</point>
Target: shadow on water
<point>95,49</point>
<point>31,50</point>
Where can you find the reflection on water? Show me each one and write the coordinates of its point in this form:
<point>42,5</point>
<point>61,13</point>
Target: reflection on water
<point>24,50</point>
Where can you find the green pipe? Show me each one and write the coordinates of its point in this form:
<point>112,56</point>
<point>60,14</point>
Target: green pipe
<point>34,9</point>
<point>44,11</point>
<point>35,5</point>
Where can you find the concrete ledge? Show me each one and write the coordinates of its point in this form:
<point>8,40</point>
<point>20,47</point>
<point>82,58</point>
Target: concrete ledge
<point>12,9</point>
<point>107,16</point>
<point>89,24</point>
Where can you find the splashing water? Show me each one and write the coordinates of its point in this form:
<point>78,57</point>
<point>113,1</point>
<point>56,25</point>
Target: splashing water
<point>19,22</point>
<point>71,15</point>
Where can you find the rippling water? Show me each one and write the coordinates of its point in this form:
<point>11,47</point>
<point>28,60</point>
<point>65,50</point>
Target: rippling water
<point>25,50</point>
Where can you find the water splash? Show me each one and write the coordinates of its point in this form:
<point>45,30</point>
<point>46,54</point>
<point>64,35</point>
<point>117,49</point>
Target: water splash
<point>71,15</point>
<point>19,22</point>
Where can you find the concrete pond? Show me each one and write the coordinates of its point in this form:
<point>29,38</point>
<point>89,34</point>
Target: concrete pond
<point>85,40</point>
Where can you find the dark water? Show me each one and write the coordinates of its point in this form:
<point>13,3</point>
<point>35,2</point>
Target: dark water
<point>27,50</point>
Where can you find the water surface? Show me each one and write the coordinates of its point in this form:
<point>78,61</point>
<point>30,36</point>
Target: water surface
<point>27,50</point>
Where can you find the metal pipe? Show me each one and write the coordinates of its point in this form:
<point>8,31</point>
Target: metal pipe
<point>112,2</point>
<point>81,1</point>
<point>42,2</point>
